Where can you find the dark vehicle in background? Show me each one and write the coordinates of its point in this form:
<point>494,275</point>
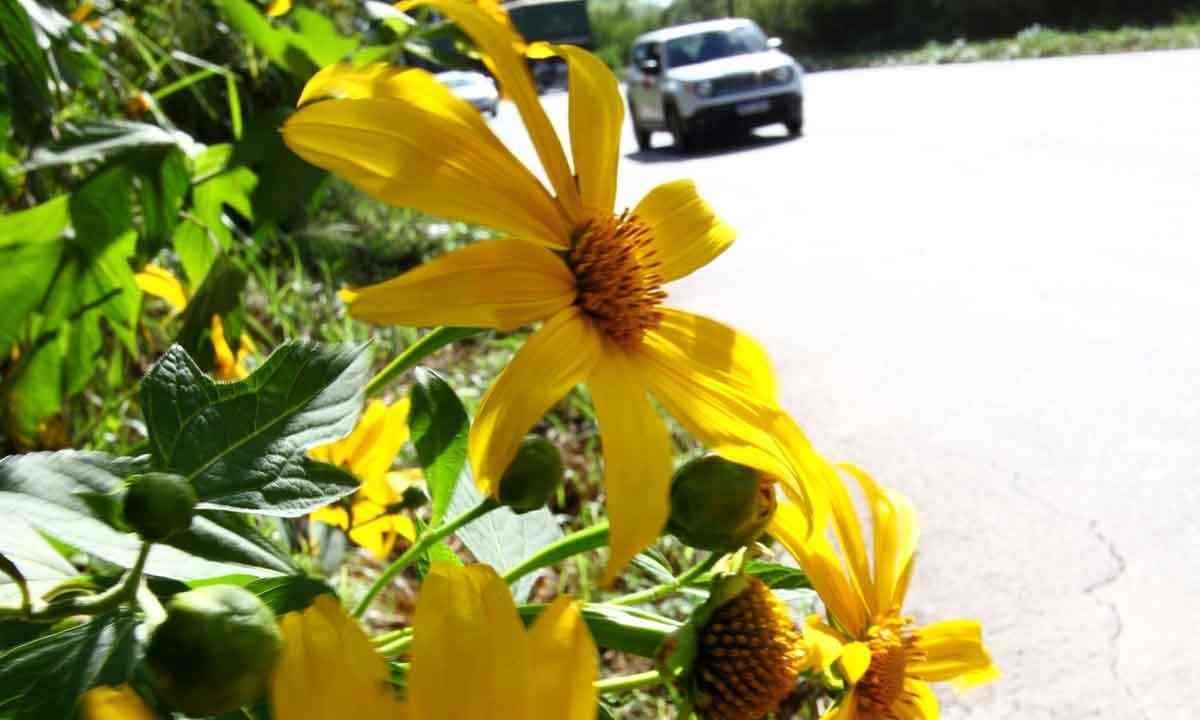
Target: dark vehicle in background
<point>694,79</point>
<point>558,21</point>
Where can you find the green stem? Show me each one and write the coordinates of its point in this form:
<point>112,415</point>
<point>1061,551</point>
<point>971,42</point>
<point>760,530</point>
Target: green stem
<point>418,549</point>
<point>577,542</point>
<point>429,343</point>
<point>397,646</point>
<point>622,683</point>
<point>97,604</point>
<point>661,591</point>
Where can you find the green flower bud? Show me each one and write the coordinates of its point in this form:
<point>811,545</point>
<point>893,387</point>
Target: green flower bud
<point>533,475</point>
<point>719,505</point>
<point>158,505</point>
<point>215,651</point>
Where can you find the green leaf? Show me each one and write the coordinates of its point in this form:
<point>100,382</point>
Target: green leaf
<point>221,183</point>
<point>47,494</point>
<point>779,577</point>
<point>503,538</point>
<point>44,678</point>
<point>27,64</point>
<point>317,42</point>
<point>286,182</point>
<point>29,253</point>
<point>219,294</point>
<point>242,444</point>
<point>439,425</point>
<point>617,628</point>
<point>164,183</point>
<point>101,140</point>
<point>290,593</point>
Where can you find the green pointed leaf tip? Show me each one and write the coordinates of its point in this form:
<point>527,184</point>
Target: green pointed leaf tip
<point>439,426</point>
<point>44,678</point>
<point>50,494</point>
<point>243,444</point>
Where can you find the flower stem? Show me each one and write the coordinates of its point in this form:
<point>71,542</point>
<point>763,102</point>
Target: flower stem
<point>418,548</point>
<point>577,542</point>
<point>622,683</point>
<point>97,604</point>
<point>429,343</point>
<point>661,591</point>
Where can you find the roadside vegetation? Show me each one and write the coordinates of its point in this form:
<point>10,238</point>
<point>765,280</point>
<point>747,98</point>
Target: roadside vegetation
<point>836,34</point>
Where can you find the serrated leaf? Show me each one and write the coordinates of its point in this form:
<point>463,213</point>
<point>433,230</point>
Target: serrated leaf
<point>438,424</point>
<point>503,538</point>
<point>290,593</point>
<point>44,678</point>
<point>242,445</point>
<point>46,494</point>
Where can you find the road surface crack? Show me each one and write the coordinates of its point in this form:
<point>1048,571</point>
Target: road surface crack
<point>1091,590</point>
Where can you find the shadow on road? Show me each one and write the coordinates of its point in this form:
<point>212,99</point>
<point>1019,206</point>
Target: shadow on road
<point>711,147</point>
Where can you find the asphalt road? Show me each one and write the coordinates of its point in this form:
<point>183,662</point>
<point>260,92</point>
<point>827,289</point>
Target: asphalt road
<point>982,283</point>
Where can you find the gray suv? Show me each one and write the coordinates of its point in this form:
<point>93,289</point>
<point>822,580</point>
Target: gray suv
<point>695,78</point>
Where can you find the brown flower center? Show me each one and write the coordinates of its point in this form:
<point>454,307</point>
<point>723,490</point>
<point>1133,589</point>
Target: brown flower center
<point>893,646</point>
<point>617,276</point>
<point>749,657</point>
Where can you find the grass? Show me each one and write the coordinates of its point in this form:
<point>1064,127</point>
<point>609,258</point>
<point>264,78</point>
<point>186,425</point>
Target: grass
<point>1033,42</point>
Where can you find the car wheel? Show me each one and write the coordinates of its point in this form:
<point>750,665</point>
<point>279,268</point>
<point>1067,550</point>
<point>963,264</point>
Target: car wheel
<point>641,134</point>
<point>683,139</point>
<point>795,125</point>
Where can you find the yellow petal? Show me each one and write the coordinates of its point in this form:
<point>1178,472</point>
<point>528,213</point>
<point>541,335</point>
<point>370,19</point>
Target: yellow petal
<point>917,702</point>
<point>373,529</point>
<point>854,660</point>
<point>565,654</point>
<point>334,515</point>
<point>470,656</point>
<point>953,651</point>
<point>370,449</point>
<point>500,284</point>
<point>816,557</point>
<point>225,364</point>
<point>504,52</point>
<point>733,358</point>
<point>850,537</point>
<point>278,7</point>
<point>687,233</point>
<point>714,394</point>
<point>554,359</point>
<point>823,644</point>
<point>596,113</point>
<point>895,528</point>
<point>106,702</point>
<point>159,282</point>
<point>327,665</point>
<point>637,458</point>
<point>414,145</point>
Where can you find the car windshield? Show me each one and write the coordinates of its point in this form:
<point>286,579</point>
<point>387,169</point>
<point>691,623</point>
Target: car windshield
<point>714,45</point>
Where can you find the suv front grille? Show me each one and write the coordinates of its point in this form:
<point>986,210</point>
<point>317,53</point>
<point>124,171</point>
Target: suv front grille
<point>742,82</point>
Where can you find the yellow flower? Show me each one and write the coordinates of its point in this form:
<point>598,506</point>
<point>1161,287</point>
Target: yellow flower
<point>368,453</point>
<point>471,658</point>
<point>276,8</point>
<point>594,276</point>
<point>159,282</point>
<point>886,660</point>
<point>106,702</point>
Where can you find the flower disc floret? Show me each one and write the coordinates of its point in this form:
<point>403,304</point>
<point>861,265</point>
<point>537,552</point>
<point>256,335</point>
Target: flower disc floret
<point>617,277</point>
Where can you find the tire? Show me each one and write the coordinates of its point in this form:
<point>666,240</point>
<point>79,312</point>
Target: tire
<point>684,139</point>
<point>641,134</point>
<point>795,125</point>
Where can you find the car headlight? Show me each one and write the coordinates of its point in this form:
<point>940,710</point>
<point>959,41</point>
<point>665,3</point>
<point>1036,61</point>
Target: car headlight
<point>781,75</point>
<point>702,88</point>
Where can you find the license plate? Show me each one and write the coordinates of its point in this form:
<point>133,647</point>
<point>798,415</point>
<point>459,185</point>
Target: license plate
<point>754,108</point>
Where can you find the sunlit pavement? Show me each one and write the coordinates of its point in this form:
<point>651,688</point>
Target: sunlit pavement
<point>982,283</point>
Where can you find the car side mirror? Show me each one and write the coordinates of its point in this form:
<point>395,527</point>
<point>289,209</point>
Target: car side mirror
<point>774,43</point>
<point>650,66</point>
